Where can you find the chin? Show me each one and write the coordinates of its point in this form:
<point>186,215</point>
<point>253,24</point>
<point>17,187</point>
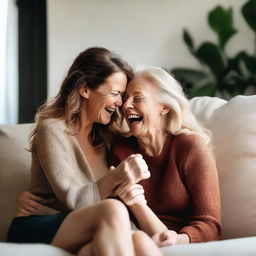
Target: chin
<point>105,122</point>
<point>135,133</point>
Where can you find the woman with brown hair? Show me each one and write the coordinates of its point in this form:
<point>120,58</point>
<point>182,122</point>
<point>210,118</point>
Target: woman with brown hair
<point>69,172</point>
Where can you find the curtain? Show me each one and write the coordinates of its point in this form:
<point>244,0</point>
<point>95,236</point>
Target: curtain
<point>8,63</point>
<point>32,57</point>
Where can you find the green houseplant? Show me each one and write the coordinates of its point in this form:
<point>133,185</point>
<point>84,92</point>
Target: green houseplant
<point>222,75</point>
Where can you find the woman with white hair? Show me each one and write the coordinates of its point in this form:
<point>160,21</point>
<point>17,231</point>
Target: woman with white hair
<point>180,203</point>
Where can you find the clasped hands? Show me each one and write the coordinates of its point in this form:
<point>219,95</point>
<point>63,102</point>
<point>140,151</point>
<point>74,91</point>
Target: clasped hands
<point>134,169</point>
<point>131,170</point>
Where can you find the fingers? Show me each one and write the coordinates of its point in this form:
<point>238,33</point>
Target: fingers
<point>131,195</point>
<point>28,195</point>
<point>133,169</point>
<point>138,200</point>
<point>126,189</point>
<point>36,198</point>
<point>167,238</point>
<point>28,204</point>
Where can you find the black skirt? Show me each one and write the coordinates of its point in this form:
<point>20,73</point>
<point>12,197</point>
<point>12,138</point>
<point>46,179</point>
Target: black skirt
<point>35,228</point>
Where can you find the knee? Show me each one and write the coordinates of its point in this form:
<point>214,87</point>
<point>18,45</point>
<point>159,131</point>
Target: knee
<point>114,210</point>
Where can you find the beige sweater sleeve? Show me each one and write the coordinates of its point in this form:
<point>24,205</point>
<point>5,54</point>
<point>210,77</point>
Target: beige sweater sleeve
<point>69,178</point>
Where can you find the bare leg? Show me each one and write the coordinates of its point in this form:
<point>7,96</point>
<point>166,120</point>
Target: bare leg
<point>144,245</point>
<point>105,225</point>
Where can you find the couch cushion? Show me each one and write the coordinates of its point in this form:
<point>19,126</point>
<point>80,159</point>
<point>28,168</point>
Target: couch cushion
<point>11,249</point>
<point>233,125</point>
<point>232,247</point>
<point>14,170</point>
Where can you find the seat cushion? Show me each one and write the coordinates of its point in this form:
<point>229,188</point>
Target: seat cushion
<point>11,249</point>
<point>234,247</point>
<point>14,170</point>
<point>233,125</point>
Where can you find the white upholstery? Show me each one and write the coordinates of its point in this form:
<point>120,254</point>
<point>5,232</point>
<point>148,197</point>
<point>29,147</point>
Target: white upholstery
<point>233,125</point>
<point>7,249</point>
<point>14,170</point>
<point>232,247</point>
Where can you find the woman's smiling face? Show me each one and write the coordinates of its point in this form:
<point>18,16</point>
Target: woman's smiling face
<point>141,108</point>
<point>103,102</point>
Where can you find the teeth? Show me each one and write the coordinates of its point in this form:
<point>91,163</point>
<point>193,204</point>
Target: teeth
<point>134,116</point>
<point>111,109</point>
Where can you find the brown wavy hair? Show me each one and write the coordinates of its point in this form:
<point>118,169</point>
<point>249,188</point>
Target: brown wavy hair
<point>90,68</point>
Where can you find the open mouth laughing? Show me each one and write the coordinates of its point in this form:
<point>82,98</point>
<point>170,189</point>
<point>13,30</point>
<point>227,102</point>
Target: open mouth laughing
<point>134,118</point>
<point>110,110</point>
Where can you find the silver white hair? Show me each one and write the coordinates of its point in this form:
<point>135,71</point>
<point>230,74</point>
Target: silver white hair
<point>180,119</point>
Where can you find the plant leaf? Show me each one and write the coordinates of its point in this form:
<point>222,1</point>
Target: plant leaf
<point>248,60</point>
<point>188,40</point>
<point>221,22</point>
<point>249,13</point>
<point>209,54</point>
<point>188,78</point>
<point>208,89</point>
<point>250,63</point>
<point>234,84</point>
<point>189,75</point>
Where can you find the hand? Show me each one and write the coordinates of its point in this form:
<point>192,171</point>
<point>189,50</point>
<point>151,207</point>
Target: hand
<point>131,170</point>
<point>168,237</point>
<point>133,195</point>
<point>29,204</point>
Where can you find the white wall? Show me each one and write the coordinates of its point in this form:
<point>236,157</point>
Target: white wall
<point>142,31</point>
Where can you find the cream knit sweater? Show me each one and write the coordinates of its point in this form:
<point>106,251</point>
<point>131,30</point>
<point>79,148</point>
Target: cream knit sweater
<point>60,170</point>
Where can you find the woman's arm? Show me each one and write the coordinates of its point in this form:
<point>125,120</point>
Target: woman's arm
<point>201,179</point>
<point>72,185</point>
<point>134,198</point>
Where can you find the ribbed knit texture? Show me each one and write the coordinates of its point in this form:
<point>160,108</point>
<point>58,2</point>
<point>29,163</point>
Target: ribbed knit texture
<point>183,189</point>
<point>60,170</point>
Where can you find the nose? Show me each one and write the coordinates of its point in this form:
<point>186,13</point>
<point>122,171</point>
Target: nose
<point>119,101</point>
<point>128,104</point>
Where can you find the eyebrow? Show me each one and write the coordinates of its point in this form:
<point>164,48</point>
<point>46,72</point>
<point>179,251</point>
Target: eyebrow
<point>136,93</point>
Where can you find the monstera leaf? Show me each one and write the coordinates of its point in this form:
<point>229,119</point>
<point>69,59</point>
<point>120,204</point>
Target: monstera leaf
<point>221,21</point>
<point>249,13</point>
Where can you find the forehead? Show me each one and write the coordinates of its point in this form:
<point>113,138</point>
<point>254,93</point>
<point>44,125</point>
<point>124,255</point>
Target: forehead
<point>139,86</point>
<point>116,81</point>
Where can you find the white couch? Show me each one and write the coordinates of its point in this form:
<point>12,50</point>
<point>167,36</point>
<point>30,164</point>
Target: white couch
<point>233,125</point>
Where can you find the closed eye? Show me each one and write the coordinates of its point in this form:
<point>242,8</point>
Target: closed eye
<point>137,99</point>
<point>115,93</point>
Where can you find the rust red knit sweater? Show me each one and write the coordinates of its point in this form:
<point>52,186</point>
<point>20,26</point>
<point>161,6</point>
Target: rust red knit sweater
<point>183,189</point>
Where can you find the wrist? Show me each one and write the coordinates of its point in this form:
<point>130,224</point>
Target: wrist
<point>139,206</point>
<point>107,184</point>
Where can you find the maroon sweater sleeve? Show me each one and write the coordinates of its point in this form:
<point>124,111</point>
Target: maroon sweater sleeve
<point>200,176</point>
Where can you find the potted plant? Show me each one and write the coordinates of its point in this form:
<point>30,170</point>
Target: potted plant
<point>221,75</point>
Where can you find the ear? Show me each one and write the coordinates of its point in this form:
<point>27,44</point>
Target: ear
<point>84,92</point>
<point>165,110</point>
